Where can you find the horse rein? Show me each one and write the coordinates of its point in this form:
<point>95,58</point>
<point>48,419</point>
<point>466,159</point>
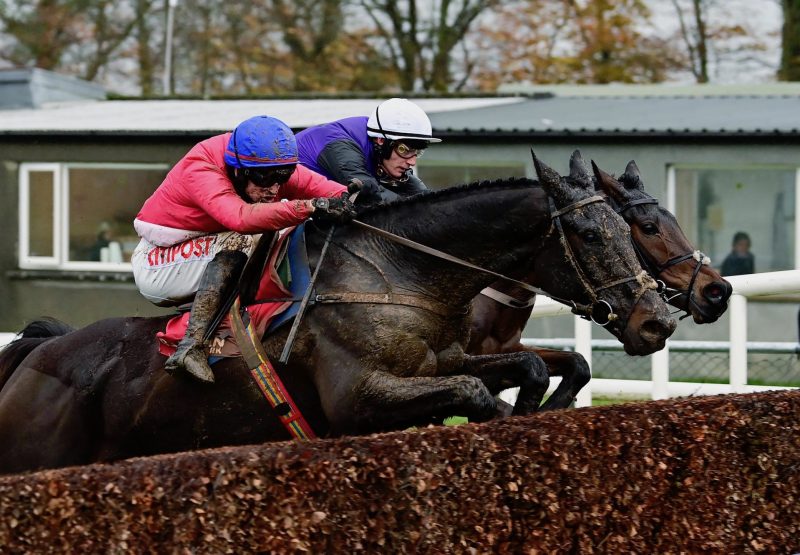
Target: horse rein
<point>655,270</point>
<point>587,312</point>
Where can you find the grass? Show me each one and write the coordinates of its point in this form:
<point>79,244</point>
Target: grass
<point>603,401</point>
<point>455,420</point>
<point>596,402</point>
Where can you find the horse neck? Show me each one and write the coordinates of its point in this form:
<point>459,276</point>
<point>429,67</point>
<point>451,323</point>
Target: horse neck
<point>497,228</point>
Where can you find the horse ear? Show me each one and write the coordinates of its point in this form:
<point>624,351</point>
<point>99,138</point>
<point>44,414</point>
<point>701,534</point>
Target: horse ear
<point>578,170</point>
<point>551,181</point>
<point>631,178</point>
<point>607,183</point>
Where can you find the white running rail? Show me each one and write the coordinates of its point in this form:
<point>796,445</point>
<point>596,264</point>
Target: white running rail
<point>659,387</point>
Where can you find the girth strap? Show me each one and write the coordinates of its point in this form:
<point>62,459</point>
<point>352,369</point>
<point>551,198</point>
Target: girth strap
<point>414,301</point>
<point>266,378</point>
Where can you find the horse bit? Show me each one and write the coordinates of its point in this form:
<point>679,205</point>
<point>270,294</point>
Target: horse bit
<point>655,270</point>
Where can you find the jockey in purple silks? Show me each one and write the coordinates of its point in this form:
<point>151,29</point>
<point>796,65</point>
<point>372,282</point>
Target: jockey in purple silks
<point>380,151</point>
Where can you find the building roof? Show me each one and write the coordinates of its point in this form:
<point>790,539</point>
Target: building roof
<point>164,117</point>
<point>779,88</point>
<point>34,87</point>
<point>630,115</point>
<point>544,115</point>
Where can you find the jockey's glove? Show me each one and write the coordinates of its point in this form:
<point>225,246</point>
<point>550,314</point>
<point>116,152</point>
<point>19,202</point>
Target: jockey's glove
<point>355,186</point>
<point>368,190</point>
<point>334,210</point>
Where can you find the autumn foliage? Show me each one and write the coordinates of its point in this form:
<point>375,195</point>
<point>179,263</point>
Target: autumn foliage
<point>279,47</point>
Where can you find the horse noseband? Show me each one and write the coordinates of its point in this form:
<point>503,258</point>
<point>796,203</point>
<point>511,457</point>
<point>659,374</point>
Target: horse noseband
<point>668,294</point>
<point>598,306</point>
<point>606,316</point>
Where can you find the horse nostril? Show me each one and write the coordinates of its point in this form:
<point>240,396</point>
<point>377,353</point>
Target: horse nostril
<point>655,329</point>
<point>717,292</point>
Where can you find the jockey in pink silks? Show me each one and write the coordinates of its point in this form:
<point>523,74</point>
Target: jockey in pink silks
<point>197,228</point>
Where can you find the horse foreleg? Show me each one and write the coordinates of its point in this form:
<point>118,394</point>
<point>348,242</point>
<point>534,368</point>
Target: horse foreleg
<point>523,369</point>
<point>574,372</point>
<point>384,401</point>
<point>572,367</point>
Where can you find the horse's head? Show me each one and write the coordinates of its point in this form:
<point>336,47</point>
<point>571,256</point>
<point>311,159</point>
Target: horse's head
<point>663,249</point>
<point>611,286</point>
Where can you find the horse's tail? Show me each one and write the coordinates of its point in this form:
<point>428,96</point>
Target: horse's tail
<point>33,335</point>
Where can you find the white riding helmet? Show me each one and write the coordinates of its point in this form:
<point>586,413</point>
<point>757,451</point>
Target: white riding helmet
<point>399,118</point>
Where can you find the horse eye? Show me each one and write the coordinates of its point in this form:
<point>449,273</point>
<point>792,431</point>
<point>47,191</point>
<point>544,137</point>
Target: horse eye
<point>590,237</point>
<point>650,228</point>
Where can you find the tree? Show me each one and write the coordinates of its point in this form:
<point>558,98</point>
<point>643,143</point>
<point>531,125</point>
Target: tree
<point>143,33</point>
<point>696,39</point>
<point>310,28</point>
<point>80,37</point>
<point>790,39</point>
<point>108,24</point>
<point>711,33</point>
<point>421,47</point>
<point>595,41</point>
<point>42,30</point>
<point>611,48</point>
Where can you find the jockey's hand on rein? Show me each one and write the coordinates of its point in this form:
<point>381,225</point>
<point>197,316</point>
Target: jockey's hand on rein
<point>368,191</point>
<point>334,210</point>
<point>355,186</point>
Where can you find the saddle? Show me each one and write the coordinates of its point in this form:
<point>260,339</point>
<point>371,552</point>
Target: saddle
<point>285,277</point>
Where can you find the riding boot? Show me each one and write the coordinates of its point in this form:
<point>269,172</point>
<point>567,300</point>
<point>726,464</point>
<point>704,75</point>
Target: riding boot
<point>218,280</point>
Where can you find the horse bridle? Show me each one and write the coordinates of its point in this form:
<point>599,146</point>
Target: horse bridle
<point>655,270</point>
<point>587,312</point>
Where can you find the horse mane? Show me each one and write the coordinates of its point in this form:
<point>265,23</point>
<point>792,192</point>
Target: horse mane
<point>45,327</point>
<point>454,191</point>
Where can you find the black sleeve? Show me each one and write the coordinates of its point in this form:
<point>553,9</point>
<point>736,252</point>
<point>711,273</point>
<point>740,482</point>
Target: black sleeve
<point>343,160</point>
<point>414,185</point>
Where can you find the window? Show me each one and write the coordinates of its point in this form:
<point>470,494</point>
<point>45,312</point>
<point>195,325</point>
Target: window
<point>80,216</point>
<point>440,176</point>
<point>713,205</point>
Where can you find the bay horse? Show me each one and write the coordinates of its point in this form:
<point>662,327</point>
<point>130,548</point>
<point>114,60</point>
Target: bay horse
<point>692,284</point>
<point>100,393</point>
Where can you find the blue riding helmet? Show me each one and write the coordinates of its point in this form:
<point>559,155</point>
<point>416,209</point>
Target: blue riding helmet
<point>261,141</point>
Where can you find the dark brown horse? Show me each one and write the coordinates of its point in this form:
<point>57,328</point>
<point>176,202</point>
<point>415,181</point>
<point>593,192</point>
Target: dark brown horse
<point>100,393</point>
<point>664,251</point>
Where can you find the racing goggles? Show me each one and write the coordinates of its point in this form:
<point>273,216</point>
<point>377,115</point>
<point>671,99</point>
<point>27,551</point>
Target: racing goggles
<point>267,177</point>
<point>406,151</point>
